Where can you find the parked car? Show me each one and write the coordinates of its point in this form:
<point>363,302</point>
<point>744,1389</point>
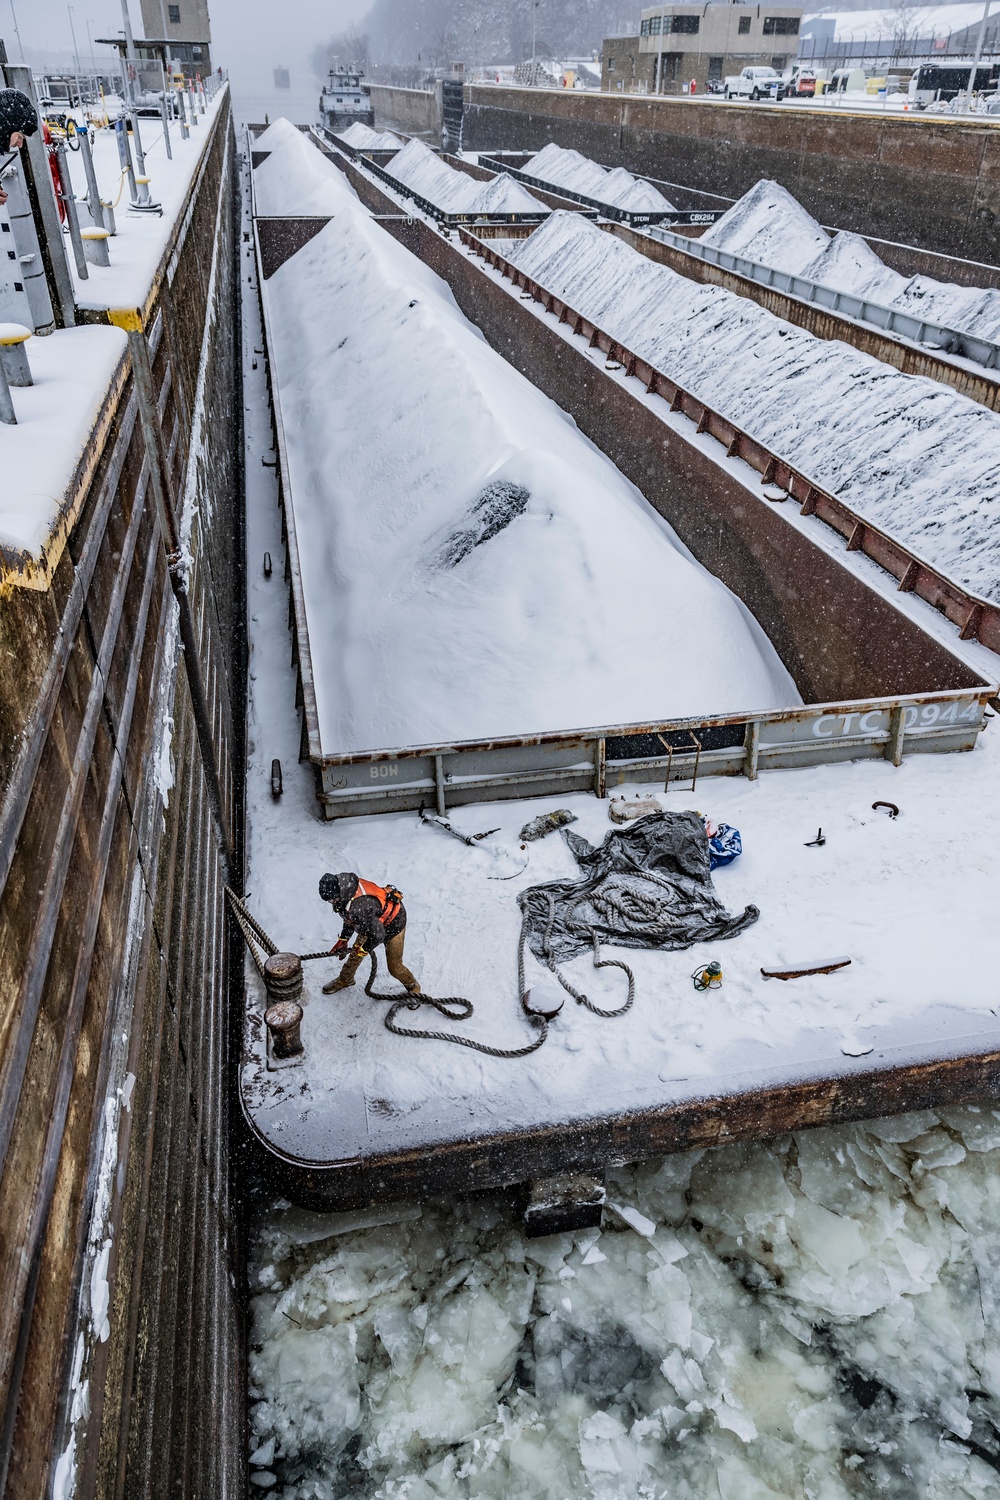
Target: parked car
<point>752,83</point>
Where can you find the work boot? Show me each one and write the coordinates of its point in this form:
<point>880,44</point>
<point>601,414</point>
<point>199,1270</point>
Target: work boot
<point>414,989</point>
<point>340,983</point>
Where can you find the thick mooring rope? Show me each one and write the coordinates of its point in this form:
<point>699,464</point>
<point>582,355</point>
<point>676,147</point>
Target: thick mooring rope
<point>454,1007</point>
<point>599,963</point>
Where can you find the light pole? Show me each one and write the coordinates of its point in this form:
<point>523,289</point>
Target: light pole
<point>534,19</point>
<point>20,44</point>
<point>169,54</point>
<point>131,71</point>
<point>76,54</point>
<point>131,75</point>
<point>970,86</point>
<point>659,59</point>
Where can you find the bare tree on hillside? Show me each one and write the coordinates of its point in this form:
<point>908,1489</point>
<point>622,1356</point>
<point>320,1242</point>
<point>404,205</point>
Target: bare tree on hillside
<point>343,47</point>
<point>905,23</point>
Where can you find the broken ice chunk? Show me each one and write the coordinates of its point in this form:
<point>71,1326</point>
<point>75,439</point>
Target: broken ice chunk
<point>263,1457</point>
<point>401,1336</point>
<point>634,1219</point>
<point>596,1438</point>
<point>899,1128</point>
<point>833,1241</point>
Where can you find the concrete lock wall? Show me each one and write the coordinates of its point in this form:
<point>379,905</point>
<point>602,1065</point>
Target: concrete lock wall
<point>934,183</point>
<point>120,1326</point>
<point>417,111</point>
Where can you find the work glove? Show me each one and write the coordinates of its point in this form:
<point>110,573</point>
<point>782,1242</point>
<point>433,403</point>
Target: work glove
<point>339,949</point>
<point>359,950</point>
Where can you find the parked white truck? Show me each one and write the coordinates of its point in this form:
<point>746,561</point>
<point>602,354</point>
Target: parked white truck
<point>753,83</point>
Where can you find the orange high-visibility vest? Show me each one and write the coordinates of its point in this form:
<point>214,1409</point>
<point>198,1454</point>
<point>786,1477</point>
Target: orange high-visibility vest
<point>390,900</point>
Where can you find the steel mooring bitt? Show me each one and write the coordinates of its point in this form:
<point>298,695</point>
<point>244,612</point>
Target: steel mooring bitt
<point>284,1022</point>
<point>283,976</point>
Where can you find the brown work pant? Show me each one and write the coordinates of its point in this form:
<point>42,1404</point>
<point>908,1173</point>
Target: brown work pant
<point>394,963</point>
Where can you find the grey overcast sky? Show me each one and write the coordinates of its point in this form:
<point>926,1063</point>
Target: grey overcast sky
<point>249,37</point>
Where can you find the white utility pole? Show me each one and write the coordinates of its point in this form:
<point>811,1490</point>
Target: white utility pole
<point>970,86</point>
<point>76,54</point>
<point>169,55</point>
<point>130,56</point>
<point>131,67</point>
<point>659,57</point>
<point>20,44</point>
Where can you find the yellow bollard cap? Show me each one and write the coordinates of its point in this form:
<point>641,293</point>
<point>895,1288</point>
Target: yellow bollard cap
<point>13,333</point>
<point>94,234</point>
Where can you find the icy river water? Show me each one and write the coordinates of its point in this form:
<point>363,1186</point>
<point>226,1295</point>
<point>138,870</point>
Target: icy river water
<point>810,1316</point>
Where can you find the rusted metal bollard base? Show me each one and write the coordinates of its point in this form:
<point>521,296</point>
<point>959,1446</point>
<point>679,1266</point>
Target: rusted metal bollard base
<point>284,1038</point>
<point>283,1018</point>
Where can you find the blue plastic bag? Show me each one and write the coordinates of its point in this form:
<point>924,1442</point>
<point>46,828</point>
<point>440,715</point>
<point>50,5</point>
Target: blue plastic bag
<point>724,843</point>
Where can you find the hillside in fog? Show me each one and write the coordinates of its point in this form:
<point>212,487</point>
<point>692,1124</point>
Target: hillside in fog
<point>429,33</point>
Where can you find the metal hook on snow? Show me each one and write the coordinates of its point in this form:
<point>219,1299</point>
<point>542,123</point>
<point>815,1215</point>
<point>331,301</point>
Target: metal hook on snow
<point>893,810</point>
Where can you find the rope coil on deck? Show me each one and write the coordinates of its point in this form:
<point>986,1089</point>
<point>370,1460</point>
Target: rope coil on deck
<point>454,1007</point>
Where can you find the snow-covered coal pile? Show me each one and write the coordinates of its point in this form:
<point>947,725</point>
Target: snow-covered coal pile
<point>363,138</point>
<point>910,455</point>
<point>296,178</point>
<point>571,607</point>
<point>570,169</point>
<point>810,1316</point>
<point>770,226</point>
<point>422,170</point>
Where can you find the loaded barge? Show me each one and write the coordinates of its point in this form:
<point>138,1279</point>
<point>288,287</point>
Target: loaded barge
<point>882,675</point>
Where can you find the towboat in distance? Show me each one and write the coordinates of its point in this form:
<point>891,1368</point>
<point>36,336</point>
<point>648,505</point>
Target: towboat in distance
<point>345,98</point>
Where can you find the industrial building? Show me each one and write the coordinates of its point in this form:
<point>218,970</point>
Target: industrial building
<point>678,44</point>
<point>185,26</point>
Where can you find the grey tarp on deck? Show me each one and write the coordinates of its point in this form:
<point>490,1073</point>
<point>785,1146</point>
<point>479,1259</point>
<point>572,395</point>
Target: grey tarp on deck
<point>647,886</point>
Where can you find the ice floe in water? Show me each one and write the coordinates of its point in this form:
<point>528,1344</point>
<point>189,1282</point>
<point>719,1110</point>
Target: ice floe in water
<point>810,1316</point>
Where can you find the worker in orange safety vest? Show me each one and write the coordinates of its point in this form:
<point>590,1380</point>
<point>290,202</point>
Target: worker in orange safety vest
<point>372,915</point>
